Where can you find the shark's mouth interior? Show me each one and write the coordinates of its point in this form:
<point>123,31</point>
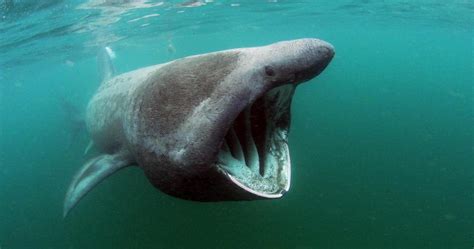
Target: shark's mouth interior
<point>254,153</point>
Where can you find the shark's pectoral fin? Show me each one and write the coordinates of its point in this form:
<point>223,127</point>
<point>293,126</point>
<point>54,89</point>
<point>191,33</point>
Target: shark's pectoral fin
<point>91,174</point>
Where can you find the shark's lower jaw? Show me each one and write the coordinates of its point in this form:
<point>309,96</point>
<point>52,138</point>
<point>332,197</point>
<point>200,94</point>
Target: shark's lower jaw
<point>254,154</point>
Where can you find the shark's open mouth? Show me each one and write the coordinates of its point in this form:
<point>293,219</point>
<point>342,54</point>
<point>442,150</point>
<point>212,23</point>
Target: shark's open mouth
<point>254,153</point>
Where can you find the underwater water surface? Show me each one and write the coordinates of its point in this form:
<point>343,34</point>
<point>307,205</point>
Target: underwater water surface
<point>381,142</point>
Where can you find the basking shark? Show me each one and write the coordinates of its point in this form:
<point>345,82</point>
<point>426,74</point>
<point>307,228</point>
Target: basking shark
<point>210,127</point>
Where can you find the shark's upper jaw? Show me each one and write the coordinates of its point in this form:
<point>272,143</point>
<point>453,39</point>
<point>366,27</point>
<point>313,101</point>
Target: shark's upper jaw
<point>254,154</point>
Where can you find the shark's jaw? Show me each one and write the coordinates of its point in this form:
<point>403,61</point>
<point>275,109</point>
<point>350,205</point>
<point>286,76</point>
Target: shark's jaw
<point>254,154</point>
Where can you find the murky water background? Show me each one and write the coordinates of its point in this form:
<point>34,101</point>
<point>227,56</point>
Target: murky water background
<point>381,142</point>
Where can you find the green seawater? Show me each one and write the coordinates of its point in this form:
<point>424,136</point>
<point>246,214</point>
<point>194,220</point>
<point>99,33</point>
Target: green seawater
<point>381,142</point>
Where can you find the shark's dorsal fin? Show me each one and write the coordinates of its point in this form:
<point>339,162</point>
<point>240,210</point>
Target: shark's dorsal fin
<point>91,174</point>
<point>106,68</point>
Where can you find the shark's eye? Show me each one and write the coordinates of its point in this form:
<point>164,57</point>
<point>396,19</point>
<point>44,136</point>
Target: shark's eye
<point>269,71</point>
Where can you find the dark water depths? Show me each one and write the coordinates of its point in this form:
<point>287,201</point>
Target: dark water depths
<point>381,143</point>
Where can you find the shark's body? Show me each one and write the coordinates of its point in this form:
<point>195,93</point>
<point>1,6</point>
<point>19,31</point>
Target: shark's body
<point>209,127</point>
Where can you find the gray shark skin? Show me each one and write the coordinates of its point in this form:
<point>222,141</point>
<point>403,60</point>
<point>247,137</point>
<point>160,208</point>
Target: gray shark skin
<point>210,127</point>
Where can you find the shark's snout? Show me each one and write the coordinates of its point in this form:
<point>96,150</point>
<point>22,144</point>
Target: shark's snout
<point>301,60</point>
<point>322,53</point>
<point>290,62</point>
